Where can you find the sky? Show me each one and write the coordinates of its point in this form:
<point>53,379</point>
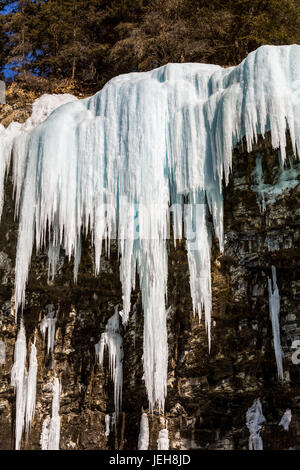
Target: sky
<point>8,73</point>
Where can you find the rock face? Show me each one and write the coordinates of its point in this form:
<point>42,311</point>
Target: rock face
<point>208,393</point>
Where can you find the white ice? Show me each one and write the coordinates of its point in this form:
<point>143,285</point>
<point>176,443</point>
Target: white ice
<point>254,420</point>
<point>163,440</point>
<point>107,425</point>
<point>112,340</point>
<point>267,193</point>
<point>48,324</point>
<point>54,425</point>
<point>286,420</point>
<point>143,442</point>
<point>16,133</point>
<point>31,387</point>
<point>2,352</point>
<point>44,439</point>
<point>274,309</point>
<point>114,163</point>
<point>24,384</point>
<point>18,381</point>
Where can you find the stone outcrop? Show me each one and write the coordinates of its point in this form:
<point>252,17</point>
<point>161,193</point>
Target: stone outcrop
<point>208,393</point>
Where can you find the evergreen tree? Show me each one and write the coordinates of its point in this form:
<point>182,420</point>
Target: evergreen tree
<point>92,41</point>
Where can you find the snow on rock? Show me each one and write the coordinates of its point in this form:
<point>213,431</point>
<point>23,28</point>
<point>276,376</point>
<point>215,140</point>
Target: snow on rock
<point>112,340</point>
<point>274,308</point>
<point>254,420</point>
<point>114,163</point>
<point>48,324</point>
<point>143,442</point>
<point>286,420</point>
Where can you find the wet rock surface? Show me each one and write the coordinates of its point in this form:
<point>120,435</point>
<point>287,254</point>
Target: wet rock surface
<point>208,393</point>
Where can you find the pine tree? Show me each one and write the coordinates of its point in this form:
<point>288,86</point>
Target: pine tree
<point>92,41</point>
<point>17,34</point>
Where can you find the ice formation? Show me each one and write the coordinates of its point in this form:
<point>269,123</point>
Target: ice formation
<point>2,352</point>
<point>274,308</point>
<point>107,425</point>
<point>54,424</point>
<point>48,324</point>
<point>163,440</point>
<point>286,420</point>
<point>50,435</point>
<point>44,439</point>
<point>113,164</point>
<point>254,420</point>
<point>143,442</point>
<point>16,134</point>
<point>18,381</point>
<point>267,193</point>
<point>31,387</point>
<point>112,340</point>
<point>24,384</point>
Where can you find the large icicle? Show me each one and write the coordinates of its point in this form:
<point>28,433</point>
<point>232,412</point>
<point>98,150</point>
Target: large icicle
<point>54,425</point>
<point>18,381</point>
<point>143,442</point>
<point>115,162</point>
<point>274,308</point>
<point>112,340</point>
<point>2,352</point>
<point>31,387</point>
<point>254,420</point>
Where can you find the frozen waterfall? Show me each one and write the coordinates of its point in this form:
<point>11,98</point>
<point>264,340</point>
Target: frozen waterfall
<point>113,164</point>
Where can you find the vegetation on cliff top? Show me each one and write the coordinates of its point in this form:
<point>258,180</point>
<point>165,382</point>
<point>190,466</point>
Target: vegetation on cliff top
<point>90,42</point>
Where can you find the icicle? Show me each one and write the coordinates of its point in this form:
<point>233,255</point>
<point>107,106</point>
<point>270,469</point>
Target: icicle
<point>274,308</point>
<point>286,420</point>
<point>254,419</point>
<point>112,339</point>
<point>2,353</point>
<point>107,425</point>
<point>48,323</point>
<point>163,439</point>
<point>31,388</point>
<point>143,442</point>
<point>44,440</point>
<point>115,163</point>
<point>54,425</point>
<point>18,381</point>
